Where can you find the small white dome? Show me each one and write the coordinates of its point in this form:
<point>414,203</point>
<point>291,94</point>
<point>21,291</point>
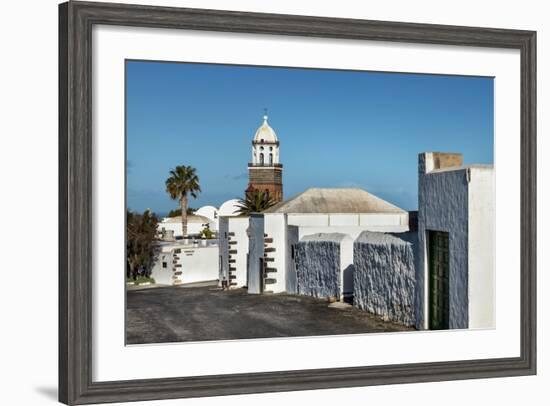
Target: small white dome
<point>229,208</point>
<point>208,211</point>
<point>265,133</point>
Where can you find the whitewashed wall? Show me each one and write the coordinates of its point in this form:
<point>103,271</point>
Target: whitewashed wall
<point>163,276</point>
<point>384,273</point>
<point>443,206</point>
<point>275,226</point>
<point>460,202</point>
<point>318,265</point>
<point>239,242</point>
<point>198,264</point>
<point>388,222</point>
<point>192,228</point>
<point>239,225</point>
<point>481,248</point>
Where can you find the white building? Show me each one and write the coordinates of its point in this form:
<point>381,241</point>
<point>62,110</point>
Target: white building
<point>195,224</point>
<point>347,211</point>
<point>456,231</point>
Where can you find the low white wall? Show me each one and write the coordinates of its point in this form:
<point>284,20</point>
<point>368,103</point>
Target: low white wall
<point>192,228</point>
<point>163,276</point>
<point>187,265</point>
<point>324,265</point>
<point>199,264</point>
<point>318,268</point>
<point>384,282</point>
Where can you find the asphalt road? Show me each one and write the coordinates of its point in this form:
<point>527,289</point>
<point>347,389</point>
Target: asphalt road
<point>175,314</point>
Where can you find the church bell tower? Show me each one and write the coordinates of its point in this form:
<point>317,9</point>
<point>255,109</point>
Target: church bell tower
<point>265,172</point>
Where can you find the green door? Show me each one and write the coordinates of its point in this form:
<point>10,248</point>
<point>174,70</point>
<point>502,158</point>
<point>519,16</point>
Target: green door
<point>438,251</point>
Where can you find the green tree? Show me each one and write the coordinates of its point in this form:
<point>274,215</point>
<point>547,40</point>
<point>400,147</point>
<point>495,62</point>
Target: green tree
<point>182,182</point>
<point>206,233</point>
<point>255,202</point>
<point>141,249</point>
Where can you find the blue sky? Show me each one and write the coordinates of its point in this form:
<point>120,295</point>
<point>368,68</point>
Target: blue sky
<point>336,128</point>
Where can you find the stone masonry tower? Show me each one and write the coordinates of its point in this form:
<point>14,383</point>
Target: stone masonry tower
<point>265,172</point>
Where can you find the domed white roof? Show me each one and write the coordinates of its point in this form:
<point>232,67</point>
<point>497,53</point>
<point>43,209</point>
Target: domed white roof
<point>229,208</point>
<point>208,211</point>
<point>265,133</point>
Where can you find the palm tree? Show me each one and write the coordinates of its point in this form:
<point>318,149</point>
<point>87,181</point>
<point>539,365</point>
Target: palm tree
<point>183,180</point>
<point>255,202</point>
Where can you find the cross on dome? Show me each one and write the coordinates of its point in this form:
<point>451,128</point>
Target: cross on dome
<point>265,134</point>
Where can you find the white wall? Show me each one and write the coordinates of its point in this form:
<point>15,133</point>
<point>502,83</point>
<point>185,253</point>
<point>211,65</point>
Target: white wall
<point>275,227</point>
<point>192,228</point>
<point>308,219</point>
<point>461,202</point>
<point>350,224</point>
<point>198,264</point>
<point>481,248</point>
<point>384,220</point>
<point>239,225</point>
<point>163,276</point>
<point>389,222</point>
<point>443,206</point>
<point>37,40</point>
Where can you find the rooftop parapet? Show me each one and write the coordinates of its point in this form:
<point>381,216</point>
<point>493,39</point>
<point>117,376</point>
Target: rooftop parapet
<point>430,161</point>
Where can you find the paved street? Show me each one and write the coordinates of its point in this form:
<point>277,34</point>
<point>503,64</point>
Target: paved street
<point>173,314</point>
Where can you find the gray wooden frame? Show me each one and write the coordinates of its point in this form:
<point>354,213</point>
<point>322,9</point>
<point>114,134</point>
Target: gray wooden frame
<point>75,181</point>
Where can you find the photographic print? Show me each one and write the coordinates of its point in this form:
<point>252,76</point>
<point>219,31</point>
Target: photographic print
<point>269,202</point>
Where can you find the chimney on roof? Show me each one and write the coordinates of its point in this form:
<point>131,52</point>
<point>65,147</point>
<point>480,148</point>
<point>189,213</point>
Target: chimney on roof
<point>429,161</point>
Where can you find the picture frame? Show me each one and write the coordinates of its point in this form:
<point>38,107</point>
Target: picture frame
<point>76,20</point>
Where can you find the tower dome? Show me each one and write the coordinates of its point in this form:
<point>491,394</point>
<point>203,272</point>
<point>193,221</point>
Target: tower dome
<point>265,172</point>
<point>265,133</point>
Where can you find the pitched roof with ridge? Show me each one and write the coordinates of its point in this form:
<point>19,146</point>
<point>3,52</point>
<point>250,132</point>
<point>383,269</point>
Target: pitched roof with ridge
<point>335,200</point>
